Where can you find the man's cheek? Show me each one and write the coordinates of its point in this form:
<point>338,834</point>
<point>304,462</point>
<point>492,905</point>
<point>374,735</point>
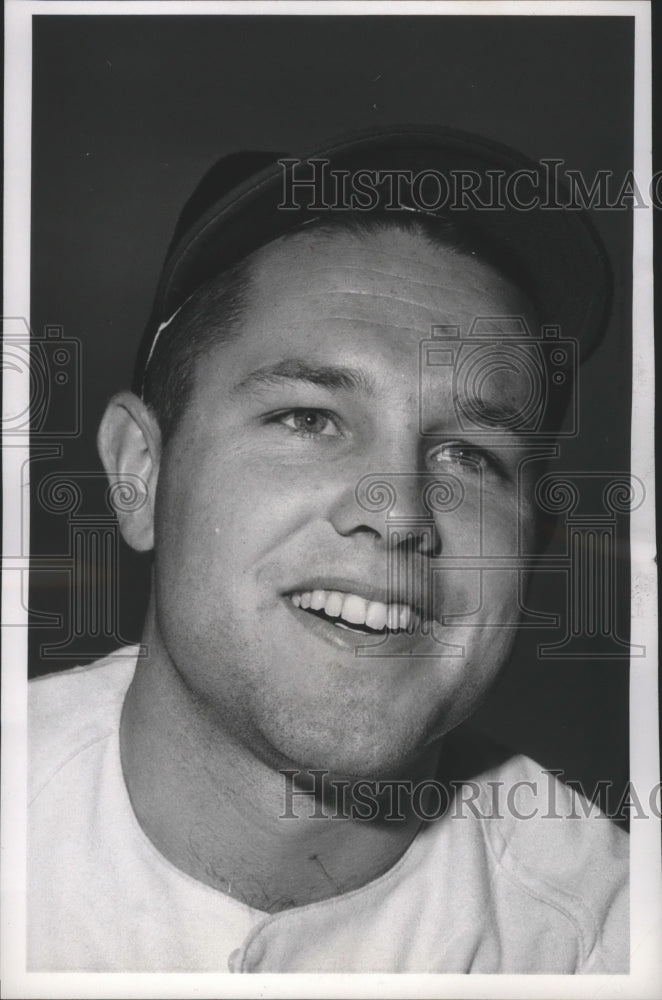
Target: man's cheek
<point>481,595</point>
<point>487,524</point>
<point>501,526</point>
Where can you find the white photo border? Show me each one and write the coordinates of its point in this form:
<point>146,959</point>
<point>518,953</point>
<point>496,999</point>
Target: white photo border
<point>645,978</point>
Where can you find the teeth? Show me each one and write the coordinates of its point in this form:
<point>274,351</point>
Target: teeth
<point>333,604</point>
<point>356,610</point>
<point>393,616</point>
<point>376,615</point>
<point>317,599</point>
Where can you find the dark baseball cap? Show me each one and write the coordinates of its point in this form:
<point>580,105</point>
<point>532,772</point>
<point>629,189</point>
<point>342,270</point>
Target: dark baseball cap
<point>510,204</point>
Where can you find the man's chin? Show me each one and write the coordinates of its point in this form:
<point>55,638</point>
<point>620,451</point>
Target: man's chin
<point>378,759</point>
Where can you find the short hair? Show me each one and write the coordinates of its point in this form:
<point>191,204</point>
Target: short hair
<point>208,317</point>
<point>212,314</point>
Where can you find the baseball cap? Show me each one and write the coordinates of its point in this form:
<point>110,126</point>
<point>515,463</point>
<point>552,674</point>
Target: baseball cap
<point>508,202</point>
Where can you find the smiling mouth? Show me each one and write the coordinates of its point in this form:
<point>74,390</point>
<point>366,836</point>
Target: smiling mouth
<point>356,614</point>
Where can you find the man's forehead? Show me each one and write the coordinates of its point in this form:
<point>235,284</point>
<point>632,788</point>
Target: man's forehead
<point>390,276</point>
<point>352,313</point>
<point>381,252</point>
<point>349,312</point>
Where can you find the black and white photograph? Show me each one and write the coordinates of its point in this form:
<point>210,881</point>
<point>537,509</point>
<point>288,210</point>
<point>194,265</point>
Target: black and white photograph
<point>329,577</point>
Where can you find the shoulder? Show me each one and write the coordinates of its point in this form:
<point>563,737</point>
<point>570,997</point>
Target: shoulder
<point>72,710</point>
<point>550,832</point>
<point>525,806</point>
<point>555,847</point>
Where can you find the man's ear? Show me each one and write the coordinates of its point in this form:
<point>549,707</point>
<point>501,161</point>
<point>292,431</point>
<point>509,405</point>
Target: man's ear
<point>129,443</point>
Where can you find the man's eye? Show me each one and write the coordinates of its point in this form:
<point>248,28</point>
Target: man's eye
<point>310,423</point>
<point>456,453</point>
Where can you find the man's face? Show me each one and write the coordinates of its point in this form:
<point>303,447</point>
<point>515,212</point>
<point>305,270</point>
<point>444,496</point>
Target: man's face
<point>262,508</point>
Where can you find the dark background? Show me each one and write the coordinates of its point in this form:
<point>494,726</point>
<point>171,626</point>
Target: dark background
<point>128,112</point>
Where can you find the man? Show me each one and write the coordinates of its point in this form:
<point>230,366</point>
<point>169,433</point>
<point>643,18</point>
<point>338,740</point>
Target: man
<point>337,432</point>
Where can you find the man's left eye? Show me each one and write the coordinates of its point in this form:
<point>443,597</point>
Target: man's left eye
<point>457,453</point>
<point>310,423</point>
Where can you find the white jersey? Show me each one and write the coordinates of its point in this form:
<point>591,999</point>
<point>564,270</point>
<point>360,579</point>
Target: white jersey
<point>478,890</point>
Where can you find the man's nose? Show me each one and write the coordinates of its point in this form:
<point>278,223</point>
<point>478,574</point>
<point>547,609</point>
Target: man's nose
<point>398,508</point>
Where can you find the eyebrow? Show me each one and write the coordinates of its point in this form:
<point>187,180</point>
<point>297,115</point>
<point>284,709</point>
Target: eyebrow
<point>493,413</point>
<point>332,377</point>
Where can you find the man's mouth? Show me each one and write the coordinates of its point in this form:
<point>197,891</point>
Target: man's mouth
<point>356,613</point>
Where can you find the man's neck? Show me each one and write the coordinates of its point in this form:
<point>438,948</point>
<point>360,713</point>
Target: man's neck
<point>222,815</point>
